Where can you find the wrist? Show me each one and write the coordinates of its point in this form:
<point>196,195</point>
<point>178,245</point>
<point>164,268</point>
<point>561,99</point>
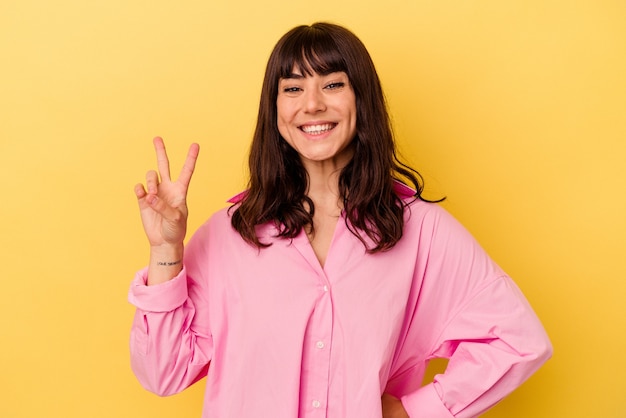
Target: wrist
<point>166,252</point>
<point>166,261</point>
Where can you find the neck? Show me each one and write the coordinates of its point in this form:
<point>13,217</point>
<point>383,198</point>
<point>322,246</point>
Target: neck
<point>323,189</point>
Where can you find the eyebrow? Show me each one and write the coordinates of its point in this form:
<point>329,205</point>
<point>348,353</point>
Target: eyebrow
<point>298,76</point>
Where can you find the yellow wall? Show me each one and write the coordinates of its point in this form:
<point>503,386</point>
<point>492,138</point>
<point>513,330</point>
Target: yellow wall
<point>516,110</point>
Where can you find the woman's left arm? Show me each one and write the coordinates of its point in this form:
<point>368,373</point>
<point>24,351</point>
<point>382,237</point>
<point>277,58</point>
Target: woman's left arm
<point>392,407</point>
<point>493,344</point>
<point>467,310</point>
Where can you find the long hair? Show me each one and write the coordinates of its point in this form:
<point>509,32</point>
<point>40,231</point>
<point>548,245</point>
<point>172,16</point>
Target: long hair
<point>278,180</point>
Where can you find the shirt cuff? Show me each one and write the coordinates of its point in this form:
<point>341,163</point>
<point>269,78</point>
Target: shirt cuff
<point>425,402</point>
<point>163,297</point>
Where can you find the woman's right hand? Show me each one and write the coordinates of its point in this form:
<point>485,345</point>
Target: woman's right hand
<point>163,209</point>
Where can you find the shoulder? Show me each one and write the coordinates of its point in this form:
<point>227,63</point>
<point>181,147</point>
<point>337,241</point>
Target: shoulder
<point>222,217</point>
<point>219,224</point>
<point>418,210</point>
<point>431,223</point>
<point>446,241</point>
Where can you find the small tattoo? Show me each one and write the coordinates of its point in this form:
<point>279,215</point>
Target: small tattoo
<point>168,263</point>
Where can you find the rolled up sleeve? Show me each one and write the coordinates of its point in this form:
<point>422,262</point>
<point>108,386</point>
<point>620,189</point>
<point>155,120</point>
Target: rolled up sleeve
<point>171,344</point>
<point>494,343</point>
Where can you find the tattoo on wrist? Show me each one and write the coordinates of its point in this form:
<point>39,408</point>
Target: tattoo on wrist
<point>168,263</point>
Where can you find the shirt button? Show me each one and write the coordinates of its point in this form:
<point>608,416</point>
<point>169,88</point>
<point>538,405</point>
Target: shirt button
<point>316,404</point>
<point>325,288</point>
<point>319,344</point>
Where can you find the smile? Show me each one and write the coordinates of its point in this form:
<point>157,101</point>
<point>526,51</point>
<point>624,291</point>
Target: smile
<point>317,129</point>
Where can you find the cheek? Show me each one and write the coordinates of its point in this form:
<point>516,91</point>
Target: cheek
<point>353,120</point>
<point>282,115</point>
<point>282,125</point>
<point>285,133</point>
<point>285,121</point>
<point>350,106</point>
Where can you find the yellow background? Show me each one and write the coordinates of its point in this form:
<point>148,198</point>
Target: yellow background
<point>515,110</point>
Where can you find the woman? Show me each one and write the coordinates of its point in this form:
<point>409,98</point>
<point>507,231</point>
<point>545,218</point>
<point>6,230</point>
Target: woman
<point>327,286</point>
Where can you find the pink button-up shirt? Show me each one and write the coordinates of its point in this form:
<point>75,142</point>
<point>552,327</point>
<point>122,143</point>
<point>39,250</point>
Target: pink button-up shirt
<point>278,336</point>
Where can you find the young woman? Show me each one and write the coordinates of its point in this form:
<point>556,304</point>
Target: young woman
<point>327,286</point>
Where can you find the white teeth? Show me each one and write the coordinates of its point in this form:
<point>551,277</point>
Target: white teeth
<point>317,129</point>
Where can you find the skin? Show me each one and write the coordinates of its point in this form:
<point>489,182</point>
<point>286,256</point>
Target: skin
<point>392,407</point>
<point>317,117</point>
<point>163,210</point>
<point>326,102</point>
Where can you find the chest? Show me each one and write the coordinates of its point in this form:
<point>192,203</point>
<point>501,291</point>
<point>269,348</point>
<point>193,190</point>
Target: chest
<point>282,292</point>
<point>321,237</point>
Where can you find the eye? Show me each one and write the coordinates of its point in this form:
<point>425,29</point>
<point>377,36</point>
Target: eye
<point>333,86</point>
<point>291,89</point>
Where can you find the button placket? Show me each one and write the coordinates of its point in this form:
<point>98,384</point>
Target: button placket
<point>315,372</point>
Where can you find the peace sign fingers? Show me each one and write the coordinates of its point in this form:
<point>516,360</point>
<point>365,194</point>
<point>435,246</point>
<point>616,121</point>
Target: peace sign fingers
<point>163,163</point>
<point>163,202</point>
<point>190,165</point>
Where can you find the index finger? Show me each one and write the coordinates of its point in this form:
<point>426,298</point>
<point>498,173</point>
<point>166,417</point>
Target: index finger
<point>163,163</point>
<point>190,164</point>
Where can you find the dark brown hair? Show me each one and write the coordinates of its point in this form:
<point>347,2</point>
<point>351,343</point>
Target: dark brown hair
<point>278,181</point>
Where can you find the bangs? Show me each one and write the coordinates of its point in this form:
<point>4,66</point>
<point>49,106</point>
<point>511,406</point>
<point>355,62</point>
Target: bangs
<point>310,51</point>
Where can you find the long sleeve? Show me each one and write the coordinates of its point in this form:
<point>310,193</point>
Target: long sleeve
<point>170,344</point>
<point>299,339</point>
<point>494,344</point>
<point>473,314</point>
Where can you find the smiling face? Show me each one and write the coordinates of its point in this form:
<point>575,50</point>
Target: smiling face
<point>316,115</point>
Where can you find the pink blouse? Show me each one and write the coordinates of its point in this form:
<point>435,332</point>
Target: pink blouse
<point>278,336</point>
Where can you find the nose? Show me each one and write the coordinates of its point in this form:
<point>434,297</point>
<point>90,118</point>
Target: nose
<point>314,101</point>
